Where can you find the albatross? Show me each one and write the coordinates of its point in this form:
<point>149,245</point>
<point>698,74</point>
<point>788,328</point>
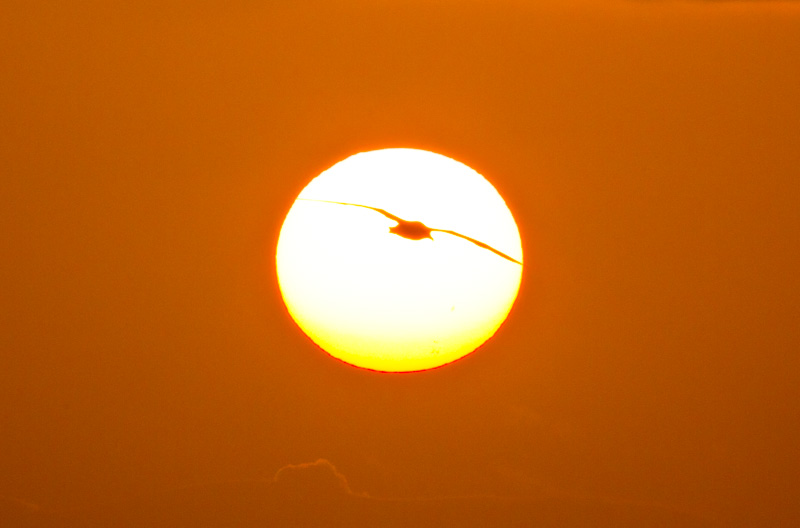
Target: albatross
<point>414,230</point>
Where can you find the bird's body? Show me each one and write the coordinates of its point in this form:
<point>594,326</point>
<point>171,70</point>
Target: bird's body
<point>414,230</point>
<point>411,230</point>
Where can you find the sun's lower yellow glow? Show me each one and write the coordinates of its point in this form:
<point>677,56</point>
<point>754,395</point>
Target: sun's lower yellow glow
<point>379,301</point>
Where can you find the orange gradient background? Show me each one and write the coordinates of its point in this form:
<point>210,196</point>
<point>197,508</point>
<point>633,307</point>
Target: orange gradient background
<point>649,152</point>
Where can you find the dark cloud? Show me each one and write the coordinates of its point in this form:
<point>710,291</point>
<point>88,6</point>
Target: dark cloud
<point>311,479</point>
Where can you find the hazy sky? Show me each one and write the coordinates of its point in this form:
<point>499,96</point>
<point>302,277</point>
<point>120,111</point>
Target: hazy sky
<point>650,152</point>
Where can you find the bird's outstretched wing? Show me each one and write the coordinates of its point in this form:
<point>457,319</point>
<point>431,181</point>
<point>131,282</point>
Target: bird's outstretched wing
<point>478,243</point>
<point>381,211</point>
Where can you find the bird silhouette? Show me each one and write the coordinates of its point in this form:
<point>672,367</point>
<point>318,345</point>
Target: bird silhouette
<point>414,230</point>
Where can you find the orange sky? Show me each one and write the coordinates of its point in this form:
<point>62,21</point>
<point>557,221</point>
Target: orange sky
<point>650,152</point>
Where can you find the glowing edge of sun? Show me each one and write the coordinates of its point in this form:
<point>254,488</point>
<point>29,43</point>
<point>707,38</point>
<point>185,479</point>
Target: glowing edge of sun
<point>384,303</point>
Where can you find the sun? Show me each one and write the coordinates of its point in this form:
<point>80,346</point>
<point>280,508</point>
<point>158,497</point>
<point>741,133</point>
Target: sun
<point>422,295</point>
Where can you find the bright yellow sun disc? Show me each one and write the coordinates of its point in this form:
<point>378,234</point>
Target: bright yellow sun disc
<point>421,297</point>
